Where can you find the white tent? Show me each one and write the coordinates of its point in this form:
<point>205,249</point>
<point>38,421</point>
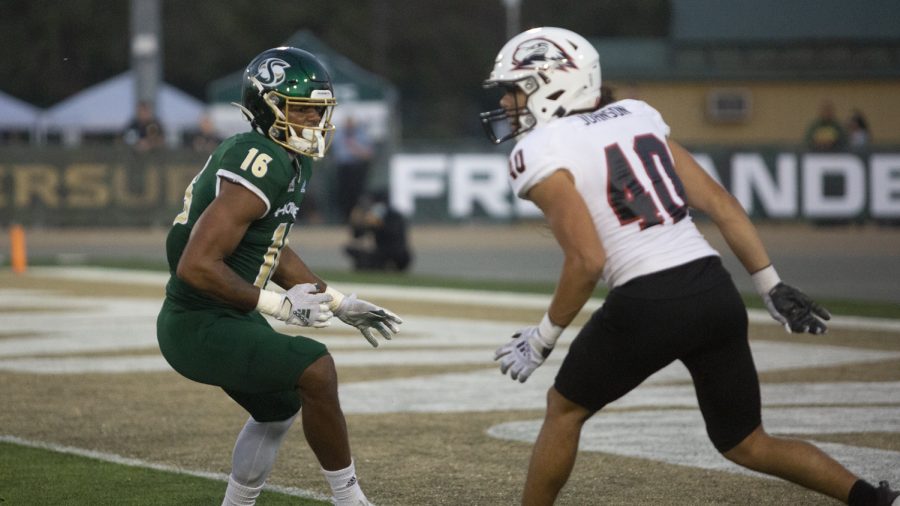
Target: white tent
<point>16,115</point>
<point>109,107</point>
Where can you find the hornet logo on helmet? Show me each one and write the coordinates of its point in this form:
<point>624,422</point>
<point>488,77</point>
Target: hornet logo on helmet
<point>541,54</point>
<point>271,71</point>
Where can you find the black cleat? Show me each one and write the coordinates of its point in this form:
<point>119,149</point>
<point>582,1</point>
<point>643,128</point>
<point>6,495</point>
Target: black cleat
<point>884,496</point>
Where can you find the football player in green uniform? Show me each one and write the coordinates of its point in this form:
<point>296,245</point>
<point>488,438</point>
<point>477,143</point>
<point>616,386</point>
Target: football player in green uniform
<point>223,249</point>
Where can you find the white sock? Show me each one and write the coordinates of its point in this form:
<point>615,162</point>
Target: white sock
<point>239,495</point>
<point>345,486</point>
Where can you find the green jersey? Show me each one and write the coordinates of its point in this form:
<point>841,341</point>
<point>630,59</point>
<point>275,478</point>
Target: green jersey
<point>263,167</point>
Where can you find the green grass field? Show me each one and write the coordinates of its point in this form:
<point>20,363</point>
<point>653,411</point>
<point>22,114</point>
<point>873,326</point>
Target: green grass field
<point>36,476</point>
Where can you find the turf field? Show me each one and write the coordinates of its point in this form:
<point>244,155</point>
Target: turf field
<point>93,415</point>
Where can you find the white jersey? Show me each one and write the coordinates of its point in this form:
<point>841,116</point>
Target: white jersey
<point>623,170</point>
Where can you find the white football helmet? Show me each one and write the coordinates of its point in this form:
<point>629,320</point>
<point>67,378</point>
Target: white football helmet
<point>558,70</point>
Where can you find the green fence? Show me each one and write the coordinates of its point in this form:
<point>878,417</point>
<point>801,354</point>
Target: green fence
<point>115,186</point>
<point>58,187</point>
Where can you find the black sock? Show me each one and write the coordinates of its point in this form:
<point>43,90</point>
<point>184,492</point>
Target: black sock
<point>862,494</point>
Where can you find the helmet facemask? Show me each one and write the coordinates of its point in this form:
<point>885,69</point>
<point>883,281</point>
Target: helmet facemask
<point>503,124</point>
<point>307,140</point>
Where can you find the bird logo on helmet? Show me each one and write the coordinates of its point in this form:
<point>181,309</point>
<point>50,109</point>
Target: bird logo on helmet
<point>272,71</point>
<point>541,54</point>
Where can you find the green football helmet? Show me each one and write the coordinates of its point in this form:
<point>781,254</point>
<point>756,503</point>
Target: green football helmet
<point>284,80</point>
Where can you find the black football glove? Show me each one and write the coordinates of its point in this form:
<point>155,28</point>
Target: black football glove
<point>795,310</point>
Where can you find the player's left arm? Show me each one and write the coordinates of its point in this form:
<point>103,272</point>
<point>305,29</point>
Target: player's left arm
<point>355,312</point>
<point>705,194</point>
<point>785,303</point>
<point>572,225</point>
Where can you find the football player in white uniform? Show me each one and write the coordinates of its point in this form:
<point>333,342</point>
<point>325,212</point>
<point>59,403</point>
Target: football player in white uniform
<point>615,192</point>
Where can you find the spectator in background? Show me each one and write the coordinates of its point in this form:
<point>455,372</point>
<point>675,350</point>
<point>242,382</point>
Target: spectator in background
<point>826,133</point>
<point>144,132</point>
<point>206,141</point>
<point>353,152</point>
<point>373,220</point>
<point>858,130</point>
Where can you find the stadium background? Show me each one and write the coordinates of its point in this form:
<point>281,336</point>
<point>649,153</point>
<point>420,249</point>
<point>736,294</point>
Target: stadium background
<point>87,199</point>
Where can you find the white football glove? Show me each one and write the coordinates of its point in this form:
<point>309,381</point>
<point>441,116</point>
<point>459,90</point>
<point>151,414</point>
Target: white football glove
<point>298,306</point>
<point>528,349</point>
<point>365,315</point>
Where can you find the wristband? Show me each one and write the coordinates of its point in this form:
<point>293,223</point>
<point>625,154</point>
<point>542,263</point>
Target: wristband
<point>269,302</point>
<point>765,280</point>
<point>549,331</point>
<point>337,297</point>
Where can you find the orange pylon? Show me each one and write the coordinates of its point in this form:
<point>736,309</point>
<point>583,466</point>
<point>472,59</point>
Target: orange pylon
<point>18,256</point>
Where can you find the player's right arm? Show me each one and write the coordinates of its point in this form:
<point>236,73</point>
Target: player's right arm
<point>216,234</point>
<point>584,256</point>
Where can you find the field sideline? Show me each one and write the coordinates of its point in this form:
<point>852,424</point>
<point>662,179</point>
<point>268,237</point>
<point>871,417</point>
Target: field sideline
<point>431,419</point>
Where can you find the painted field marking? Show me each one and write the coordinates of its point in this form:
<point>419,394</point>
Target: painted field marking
<point>679,436</point>
<point>489,390</point>
<point>98,325</point>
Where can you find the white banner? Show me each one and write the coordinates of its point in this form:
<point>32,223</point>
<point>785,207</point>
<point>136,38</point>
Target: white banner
<point>795,186</point>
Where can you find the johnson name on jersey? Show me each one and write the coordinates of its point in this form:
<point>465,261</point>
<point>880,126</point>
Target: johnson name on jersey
<point>279,180</point>
<point>623,170</point>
